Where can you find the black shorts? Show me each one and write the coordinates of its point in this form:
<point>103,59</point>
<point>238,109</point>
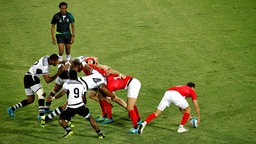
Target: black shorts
<point>64,38</point>
<point>71,112</point>
<point>29,81</point>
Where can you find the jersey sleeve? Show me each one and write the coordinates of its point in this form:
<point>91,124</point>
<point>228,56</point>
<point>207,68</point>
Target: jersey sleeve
<point>193,95</point>
<point>72,19</point>
<point>54,19</point>
<point>65,86</point>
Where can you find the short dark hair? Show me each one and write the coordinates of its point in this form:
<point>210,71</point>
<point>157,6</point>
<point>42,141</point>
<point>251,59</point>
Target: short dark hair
<point>191,84</point>
<point>54,57</point>
<point>73,75</point>
<point>74,64</point>
<point>63,3</point>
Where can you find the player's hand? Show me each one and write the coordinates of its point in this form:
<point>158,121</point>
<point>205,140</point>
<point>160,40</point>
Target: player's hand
<point>61,69</point>
<point>198,121</point>
<point>122,76</point>
<point>50,98</point>
<point>66,66</point>
<point>53,41</point>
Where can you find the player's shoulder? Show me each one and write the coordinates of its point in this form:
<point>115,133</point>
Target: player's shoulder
<point>70,15</point>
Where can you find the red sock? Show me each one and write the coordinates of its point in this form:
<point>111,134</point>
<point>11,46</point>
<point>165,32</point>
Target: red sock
<point>150,117</point>
<point>184,118</point>
<point>137,112</point>
<point>103,107</point>
<point>109,110</point>
<point>133,117</point>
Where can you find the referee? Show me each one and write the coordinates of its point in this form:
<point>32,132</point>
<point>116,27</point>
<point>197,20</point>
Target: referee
<point>64,37</point>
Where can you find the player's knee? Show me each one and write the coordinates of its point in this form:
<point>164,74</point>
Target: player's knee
<point>30,100</point>
<point>63,106</point>
<point>187,110</point>
<point>41,94</point>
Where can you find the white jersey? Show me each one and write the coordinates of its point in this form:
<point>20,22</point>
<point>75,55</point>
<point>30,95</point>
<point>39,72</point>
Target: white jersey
<point>40,67</point>
<point>93,81</point>
<point>75,90</point>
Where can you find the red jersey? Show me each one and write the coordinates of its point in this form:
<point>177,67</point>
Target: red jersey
<point>116,83</point>
<point>185,91</point>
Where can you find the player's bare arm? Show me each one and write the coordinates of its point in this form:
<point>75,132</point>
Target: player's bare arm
<point>197,111</point>
<point>53,34</point>
<point>73,32</point>
<point>49,78</point>
<point>60,94</point>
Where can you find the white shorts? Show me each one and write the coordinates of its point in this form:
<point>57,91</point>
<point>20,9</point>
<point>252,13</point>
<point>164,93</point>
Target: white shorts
<point>33,89</point>
<point>133,88</point>
<point>172,97</point>
<point>60,81</point>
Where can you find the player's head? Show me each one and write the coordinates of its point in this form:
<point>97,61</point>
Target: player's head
<point>191,84</point>
<point>73,75</point>
<point>63,7</point>
<point>54,59</point>
<point>76,65</point>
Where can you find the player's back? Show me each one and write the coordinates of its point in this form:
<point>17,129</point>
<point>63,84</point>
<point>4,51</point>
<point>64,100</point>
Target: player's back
<point>92,81</point>
<point>116,83</point>
<point>185,91</point>
<point>75,90</point>
<point>40,67</point>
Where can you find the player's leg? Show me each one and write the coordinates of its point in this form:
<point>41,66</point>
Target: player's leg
<point>181,102</point>
<point>61,51</point>
<point>92,94</point>
<point>148,119</point>
<point>28,82</point>
<point>68,49</point>
<point>41,98</point>
<point>130,108</point>
<point>85,112</point>
<point>68,46</point>
<point>132,95</point>
<point>53,114</point>
<point>165,102</point>
<point>108,104</point>
<point>23,103</point>
<point>66,115</point>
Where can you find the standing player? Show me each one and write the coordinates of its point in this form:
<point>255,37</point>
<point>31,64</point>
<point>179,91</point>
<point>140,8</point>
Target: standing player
<point>63,20</point>
<point>32,83</point>
<point>176,95</point>
<point>76,105</point>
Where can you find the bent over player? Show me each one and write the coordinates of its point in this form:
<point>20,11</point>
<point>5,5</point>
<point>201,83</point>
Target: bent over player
<point>176,95</point>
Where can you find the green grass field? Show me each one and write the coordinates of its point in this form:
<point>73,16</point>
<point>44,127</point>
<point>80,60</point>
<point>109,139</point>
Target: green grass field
<point>162,43</point>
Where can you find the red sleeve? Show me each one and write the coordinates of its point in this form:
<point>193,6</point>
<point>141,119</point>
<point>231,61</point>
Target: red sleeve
<point>101,71</point>
<point>193,94</point>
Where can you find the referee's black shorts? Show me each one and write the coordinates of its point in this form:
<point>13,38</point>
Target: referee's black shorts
<point>64,38</point>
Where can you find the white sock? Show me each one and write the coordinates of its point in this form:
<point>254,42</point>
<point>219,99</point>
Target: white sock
<point>60,58</point>
<point>68,57</point>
